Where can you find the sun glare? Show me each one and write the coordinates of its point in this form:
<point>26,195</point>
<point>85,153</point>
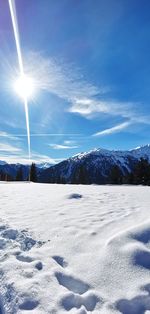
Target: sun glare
<point>24,86</point>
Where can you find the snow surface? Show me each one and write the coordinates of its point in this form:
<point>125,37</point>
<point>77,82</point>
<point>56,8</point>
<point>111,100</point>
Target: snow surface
<point>74,249</point>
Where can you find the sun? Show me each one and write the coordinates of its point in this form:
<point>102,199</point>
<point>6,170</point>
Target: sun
<point>24,86</point>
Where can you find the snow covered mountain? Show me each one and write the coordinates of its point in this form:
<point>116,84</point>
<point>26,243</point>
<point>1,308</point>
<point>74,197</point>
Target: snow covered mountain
<point>43,165</point>
<point>86,168</point>
<point>143,151</point>
<point>2,162</point>
<point>94,166</point>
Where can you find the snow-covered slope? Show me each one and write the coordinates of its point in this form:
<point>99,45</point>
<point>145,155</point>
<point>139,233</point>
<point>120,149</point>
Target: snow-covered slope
<point>2,162</point>
<point>143,151</point>
<point>74,249</point>
<point>94,166</point>
<point>44,165</point>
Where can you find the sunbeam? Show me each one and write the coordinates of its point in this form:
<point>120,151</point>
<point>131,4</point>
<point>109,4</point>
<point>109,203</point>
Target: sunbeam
<point>21,68</point>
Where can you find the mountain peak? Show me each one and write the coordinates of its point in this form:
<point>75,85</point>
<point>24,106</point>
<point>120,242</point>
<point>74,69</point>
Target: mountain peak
<point>142,151</point>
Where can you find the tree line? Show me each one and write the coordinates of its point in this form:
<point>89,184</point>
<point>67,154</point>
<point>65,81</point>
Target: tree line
<point>140,174</point>
<point>32,175</point>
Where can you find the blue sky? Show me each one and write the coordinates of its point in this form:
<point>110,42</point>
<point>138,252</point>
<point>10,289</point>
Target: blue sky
<point>90,63</point>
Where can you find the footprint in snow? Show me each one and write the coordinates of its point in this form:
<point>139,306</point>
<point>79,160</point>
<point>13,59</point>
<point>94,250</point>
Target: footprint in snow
<point>88,301</point>
<point>60,261</point>
<point>24,258</point>
<point>141,257</point>
<point>71,283</point>
<point>10,234</point>
<point>18,237</point>
<point>27,259</point>
<point>11,237</point>
<point>142,236</point>
<point>79,295</point>
<point>138,305</point>
<point>28,305</point>
<point>39,265</point>
<point>19,243</point>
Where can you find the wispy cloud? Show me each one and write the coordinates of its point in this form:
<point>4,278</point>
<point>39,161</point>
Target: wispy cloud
<point>69,142</point>
<point>9,136</point>
<point>90,107</point>
<point>115,129</point>
<point>67,82</point>
<point>81,96</point>
<point>9,148</point>
<point>59,146</point>
<point>23,158</point>
<point>40,158</point>
<point>3,134</point>
<point>17,136</point>
<point>59,78</point>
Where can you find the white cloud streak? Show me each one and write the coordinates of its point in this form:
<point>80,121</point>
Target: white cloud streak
<point>69,142</point>
<point>59,146</point>
<point>49,134</point>
<point>9,136</point>
<point>115,129</point>
<point>91,107</point>
<point>17,136</point>
<point>9,148</point>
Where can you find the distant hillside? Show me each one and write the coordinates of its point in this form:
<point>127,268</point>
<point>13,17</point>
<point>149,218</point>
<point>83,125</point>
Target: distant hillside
<point>10,170</point>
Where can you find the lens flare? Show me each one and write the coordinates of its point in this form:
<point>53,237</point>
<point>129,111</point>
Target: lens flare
<point>24,88</point>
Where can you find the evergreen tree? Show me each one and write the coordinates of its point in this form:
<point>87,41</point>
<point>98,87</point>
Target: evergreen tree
<point>141,172</point>
<point>19,175</point>
<point>2,176</point>
<point>8,177</point>
<point>129,179</point>
<point>82,175</point>
<point>33,173</point>
<point>116,176</point>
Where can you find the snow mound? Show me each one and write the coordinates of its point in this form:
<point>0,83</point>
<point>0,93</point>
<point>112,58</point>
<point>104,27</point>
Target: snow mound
<point>127,260</point>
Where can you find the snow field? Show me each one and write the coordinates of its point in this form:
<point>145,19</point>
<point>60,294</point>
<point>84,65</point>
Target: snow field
<point>74,249</point>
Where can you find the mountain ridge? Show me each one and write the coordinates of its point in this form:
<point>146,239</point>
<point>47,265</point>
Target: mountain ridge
<point>94,167</point>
